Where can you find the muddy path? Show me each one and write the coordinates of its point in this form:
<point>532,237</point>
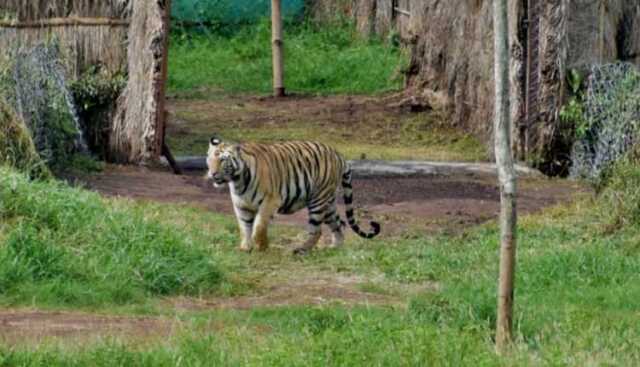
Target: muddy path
<point>429,203</point>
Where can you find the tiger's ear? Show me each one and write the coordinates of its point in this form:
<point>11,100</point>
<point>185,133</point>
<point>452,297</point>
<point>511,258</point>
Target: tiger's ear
<point>215,140</point>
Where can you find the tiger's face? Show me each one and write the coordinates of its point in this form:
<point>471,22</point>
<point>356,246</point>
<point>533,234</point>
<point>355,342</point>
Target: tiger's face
<point>223,162</point>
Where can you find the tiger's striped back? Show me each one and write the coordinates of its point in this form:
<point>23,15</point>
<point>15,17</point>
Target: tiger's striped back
<point>299,172</point>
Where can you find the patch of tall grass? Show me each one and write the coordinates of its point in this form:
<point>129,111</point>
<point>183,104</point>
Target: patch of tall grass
<point>16,147</point>
<point>319,60</point>
<point>66,246</point>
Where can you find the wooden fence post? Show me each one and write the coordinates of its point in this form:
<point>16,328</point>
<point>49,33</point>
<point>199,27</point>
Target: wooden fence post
<point>506,177</point>
<point>277,47</point>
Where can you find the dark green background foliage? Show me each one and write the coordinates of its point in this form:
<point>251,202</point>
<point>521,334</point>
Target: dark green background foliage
<point>230,11</point>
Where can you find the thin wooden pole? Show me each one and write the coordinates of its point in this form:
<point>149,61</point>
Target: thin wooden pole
<point>277,49</point>
<point>161,112</point>
<point>507,178</point>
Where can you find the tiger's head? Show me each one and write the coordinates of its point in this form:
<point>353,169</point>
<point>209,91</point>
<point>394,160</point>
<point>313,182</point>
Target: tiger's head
<point>223,162</point>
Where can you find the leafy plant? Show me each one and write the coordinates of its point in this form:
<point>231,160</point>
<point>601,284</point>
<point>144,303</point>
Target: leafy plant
<point>95,94</point>
<point>572,114</point>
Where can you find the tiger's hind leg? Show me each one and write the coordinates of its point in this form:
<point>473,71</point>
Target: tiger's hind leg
<point>314,229</point>
<point>332,219</point>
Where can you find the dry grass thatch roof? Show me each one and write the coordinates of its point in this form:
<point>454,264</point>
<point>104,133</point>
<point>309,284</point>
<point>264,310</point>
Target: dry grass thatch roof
<point>31,10</point>
<point>88,31</point>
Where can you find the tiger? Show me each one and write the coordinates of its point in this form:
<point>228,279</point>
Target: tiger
<point>283,178</point>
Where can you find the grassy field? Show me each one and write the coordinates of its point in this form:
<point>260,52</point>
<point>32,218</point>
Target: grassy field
<point>371,133</point>
<point>577,295</point>
<point>319,60</point>
<point>218,77</point>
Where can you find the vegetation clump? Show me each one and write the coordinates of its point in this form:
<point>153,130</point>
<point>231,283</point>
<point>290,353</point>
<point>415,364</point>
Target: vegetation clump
<point>16,147</point>
<point>35,86</point>
<point>606,118</point>
<point>95,95</point>
<point>319,60</point>
<point>63,246</point>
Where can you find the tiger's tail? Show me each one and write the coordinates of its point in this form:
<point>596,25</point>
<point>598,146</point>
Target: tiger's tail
<point>348,202</point>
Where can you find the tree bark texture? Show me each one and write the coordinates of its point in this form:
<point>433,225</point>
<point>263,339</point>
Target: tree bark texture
<point>137,134</point>
<point>506,176</point>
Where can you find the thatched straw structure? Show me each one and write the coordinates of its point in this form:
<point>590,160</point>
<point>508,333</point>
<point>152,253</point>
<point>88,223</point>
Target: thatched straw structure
<point>121,36</point>
<point>137,133</point>
<point>89,32</point>
<point>452,54</point>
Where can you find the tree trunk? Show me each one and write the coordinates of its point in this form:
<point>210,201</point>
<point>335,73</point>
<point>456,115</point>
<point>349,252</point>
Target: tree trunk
<point>506,176</point>
<point>136,135</point>
<point>278,58</point>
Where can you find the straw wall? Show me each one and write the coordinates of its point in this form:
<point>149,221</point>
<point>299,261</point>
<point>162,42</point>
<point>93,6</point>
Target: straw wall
<point>452,55</point>
<point>89,32</point>
<point>137,132</point>
<point>121,36</point>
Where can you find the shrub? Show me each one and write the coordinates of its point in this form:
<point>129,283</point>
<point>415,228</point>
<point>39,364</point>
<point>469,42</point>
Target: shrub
<point>16,147</point>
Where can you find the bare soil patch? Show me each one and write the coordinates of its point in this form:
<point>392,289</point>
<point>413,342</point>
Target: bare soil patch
<point>376,127</point>
<point>33,326</point>
<point>312,289</point>
<point>423,202</point>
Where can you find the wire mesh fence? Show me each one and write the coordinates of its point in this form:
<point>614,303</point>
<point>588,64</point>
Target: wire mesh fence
<point>611,119</point>
<point>230,11</point>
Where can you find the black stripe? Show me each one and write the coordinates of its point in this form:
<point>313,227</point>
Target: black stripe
<point>348,199</point>
<point>347,185</point>
<point>248,221</point>
<point>329,216</point>
<point>349,213</point>
<point>314,222</point>
<point>247,179</point>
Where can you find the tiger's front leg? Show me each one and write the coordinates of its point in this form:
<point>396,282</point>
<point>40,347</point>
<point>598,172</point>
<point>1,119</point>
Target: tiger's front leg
<point>246,219</point>
<point>266,212</point>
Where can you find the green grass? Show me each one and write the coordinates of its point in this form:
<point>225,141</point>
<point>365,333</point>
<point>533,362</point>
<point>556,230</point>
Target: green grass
<point>383,135</point>
<point>318,60</point>
<point>577,298</point>
<point>63,246</point>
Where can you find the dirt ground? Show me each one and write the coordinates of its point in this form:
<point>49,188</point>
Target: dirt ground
<point>378,127</point>
<point>429,203</point>
<point>35,326</point>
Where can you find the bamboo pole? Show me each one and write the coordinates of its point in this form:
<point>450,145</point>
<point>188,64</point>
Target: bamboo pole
<point>507,179</point>
<point>277,49</point>
<point>161,112</point>
<point>63,22</point>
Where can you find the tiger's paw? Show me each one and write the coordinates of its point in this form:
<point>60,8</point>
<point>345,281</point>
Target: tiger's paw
<point>244,248</point>
<point>300,251</point>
